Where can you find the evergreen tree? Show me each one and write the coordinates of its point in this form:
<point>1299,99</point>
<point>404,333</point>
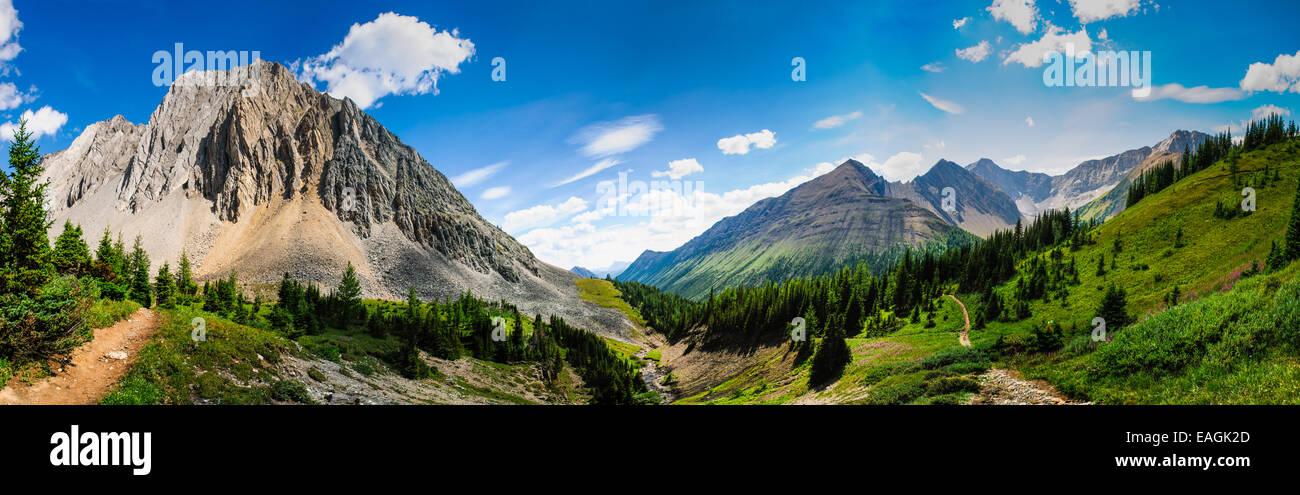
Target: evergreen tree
<point>164,287</point>
<point>140,287</point>
<point>185,285</point>
<point>25,246</point>
<point>349,295</point>
<point>71,254</point>
<point>1114,308</point>
<point>831,357</point>
<point>1292,247</point>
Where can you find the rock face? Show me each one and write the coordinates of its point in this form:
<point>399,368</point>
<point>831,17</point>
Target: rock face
<point>979,206</point>
<point>829,222</point>
<point>262,174</point>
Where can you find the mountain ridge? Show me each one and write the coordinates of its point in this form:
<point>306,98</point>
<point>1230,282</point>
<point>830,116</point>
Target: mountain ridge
<point>270,176</point>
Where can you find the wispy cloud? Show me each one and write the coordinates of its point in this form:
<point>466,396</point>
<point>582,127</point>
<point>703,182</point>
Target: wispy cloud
<point>837,120</point>
<point>620,136</point>
<point>1198,94</point>
<point>589,171</point>
<point>945,105</point>
<point>935,67</point>
<point>478,175</point>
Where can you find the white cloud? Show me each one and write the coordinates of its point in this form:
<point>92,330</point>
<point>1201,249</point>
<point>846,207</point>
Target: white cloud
<point>43,122</point>
<point>11,97</point>
<point>496,192</point>
<point>1020,13</point>
<point>1015,160</point>
<point>1280,76</point>
<point>620,136</point>
<point>680,168</point>
<point>592,170</point>
<point>9,27</point>
<point>837,120</point>
<point>1098,10</point>
<point>542,214</point>
<point>902,166</point>
<point>958,23</point>
<point>393,54</point>
<point>944,105</point>
<point>975,53</point>
<point>473,177</point>
<point>1029,121</point>
<point>740,143</point>
<point>1053,40</point>
<point>1267,110</point>
<point>935,67</point>
<point>1198,94</point>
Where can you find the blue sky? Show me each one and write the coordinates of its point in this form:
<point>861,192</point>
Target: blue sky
<point>636,86</point>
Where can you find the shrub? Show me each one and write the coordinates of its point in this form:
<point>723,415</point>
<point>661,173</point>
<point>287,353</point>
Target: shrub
<point>894,394</point>
<point>290,391</point>
<point>963,355</point>
<point>951,385</point>
<point>47,325</point>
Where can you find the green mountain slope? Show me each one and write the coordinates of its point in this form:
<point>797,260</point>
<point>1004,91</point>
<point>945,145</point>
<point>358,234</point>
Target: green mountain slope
<point>832,221</point>
<point>1222,343</point>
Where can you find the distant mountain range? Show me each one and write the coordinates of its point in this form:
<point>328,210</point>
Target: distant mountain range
<point>612,270</point>
<point>835,220</point>
<point>1103,181</point>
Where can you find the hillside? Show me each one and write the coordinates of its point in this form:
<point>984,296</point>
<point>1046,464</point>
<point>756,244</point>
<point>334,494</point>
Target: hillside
<point>834,220</point>
<point>1219,344</point>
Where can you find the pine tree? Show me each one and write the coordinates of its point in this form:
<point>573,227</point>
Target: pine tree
<point>349,294</point>
<point>25,253</point>
<point>832,355</point>
<point>140,287</point>
<point>164,287</point>
<point>71,254</point>
<point>1292,247</point>
<point>1114,308</point>
<point>185,285</point>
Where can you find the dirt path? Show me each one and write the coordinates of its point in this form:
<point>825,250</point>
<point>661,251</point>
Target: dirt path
<point>95,367</point>
<point>1006,387</point>
<point>965,330</point>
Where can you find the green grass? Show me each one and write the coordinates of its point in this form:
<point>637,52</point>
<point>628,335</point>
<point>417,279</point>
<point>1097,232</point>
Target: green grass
<point>603,293</point>
<point>224,369</point>
<point>106,312</point>
<point>624,348</point>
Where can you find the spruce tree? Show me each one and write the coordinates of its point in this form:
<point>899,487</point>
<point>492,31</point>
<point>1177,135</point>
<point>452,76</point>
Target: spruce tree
<point>1292,248</point>
<point>1114,308</point>
<point>185,285</point>
<point>26,249</point>
<point>71,254</point>
<point>140,287</point>
<point>349,294</point>
<point>164,287</point>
